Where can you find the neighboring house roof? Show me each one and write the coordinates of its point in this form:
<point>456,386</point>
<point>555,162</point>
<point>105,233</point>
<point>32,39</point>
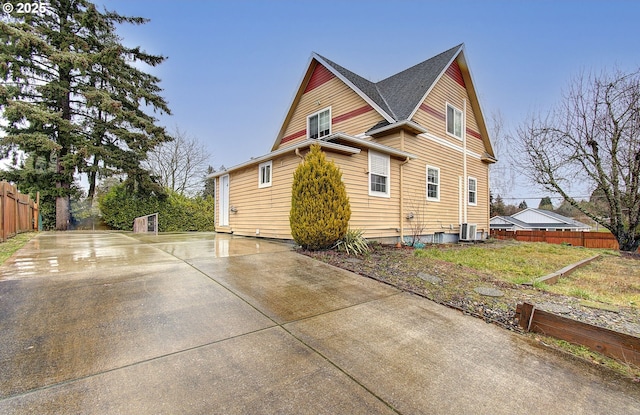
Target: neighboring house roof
<point>533,218</point>
<point>331,142</point>
<point>503,222</point>
<point>398,97</point>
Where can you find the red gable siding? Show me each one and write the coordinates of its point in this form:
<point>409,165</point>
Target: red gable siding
<point>351,114</point>
<point>293,136</point>
<point>334,120</point>
<point>320,76</point>
<point>473,133</point>
<point>440,115</point>
<point>454,72</point>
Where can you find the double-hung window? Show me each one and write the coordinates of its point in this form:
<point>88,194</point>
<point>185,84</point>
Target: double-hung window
<point>473,191</point>
<point>319,124</point>
<point>264,174</point>
<point>454,121</point>
<point>379,167</point>
<point>433,184</point>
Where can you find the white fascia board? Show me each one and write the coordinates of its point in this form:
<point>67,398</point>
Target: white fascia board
<point>357,90</point>
<point>303,144</point>
<point>372,145</point>
<point>407,123</point>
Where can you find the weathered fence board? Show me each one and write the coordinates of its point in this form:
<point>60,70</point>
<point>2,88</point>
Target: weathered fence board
<point>18,212</point>
<point>610,343</point>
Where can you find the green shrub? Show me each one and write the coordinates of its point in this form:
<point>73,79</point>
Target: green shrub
<point>181,213</point>
<point>353,242</point>
<point>320,210</point>
<point>120,207</point>
<point>177,213</point>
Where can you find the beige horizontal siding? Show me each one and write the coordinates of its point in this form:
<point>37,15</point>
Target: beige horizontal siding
<point>264,209</point>
<point>444,215</point>
<point>449,91</point>
<point>267,209</point>
<point>342,100</point>
<point>437,216</point>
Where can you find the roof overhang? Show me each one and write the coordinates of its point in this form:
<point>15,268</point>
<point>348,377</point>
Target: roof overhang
<point>370,145</point>
<point>411,126</point>
<point>328,146</point>
<point>488,158</point>
<point>334,143</point>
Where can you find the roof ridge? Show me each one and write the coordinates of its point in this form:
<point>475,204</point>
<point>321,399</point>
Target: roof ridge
<point>366,87</point>
<point>393,114</point>
<point>405,90</point>
<point>400,94</point>
<point>426,60</point>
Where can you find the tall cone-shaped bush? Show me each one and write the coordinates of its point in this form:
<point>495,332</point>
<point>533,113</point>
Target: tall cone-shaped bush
<point>320,210</point>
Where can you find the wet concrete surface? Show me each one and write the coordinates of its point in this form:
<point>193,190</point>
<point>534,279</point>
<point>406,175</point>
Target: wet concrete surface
<point>109,323</point>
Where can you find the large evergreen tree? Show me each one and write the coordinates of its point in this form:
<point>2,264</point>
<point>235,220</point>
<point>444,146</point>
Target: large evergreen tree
<point>71,96</point>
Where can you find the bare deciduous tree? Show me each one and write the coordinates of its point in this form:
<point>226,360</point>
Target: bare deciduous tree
<point>592,139</point>
<point>502,172</point>
<point>181,164</point>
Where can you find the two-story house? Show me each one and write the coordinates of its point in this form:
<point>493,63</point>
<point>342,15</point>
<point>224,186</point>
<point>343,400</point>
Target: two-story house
<point>413,150</point>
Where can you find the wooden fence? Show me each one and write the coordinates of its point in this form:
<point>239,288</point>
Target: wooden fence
<point>586,239</point>
<point>18,212</point>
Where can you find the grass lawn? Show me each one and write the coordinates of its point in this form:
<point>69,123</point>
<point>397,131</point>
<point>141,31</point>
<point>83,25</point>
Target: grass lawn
<point>517,262</point>
<point>612,279</point>
<point>11,245</point>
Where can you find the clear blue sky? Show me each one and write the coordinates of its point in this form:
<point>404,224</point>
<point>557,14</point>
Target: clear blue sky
<point>233,66</point>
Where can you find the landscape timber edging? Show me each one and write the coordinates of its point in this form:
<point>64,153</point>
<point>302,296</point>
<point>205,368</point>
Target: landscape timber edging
<point>555,276</point>
<point>621,346</point>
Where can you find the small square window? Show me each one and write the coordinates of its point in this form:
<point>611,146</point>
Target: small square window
<point>319,124</point>
<point>264,174</point>
<point>473,191</point>
<point>454,121</point>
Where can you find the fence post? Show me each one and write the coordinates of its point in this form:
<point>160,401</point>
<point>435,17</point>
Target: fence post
<point>2,233</point>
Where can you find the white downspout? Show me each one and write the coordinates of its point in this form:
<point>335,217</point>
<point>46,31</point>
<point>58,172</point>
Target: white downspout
<point>464,160</point>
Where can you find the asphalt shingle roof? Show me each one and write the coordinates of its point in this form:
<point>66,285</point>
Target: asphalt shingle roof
<point>400,94</point>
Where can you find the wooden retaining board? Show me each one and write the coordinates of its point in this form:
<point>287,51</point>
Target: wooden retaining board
<point>623,347</point>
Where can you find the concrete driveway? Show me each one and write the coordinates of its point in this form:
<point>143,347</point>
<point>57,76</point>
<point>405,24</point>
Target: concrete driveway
<point>112,323</point>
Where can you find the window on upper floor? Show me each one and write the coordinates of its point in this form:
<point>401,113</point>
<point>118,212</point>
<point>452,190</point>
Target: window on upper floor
<point>264,174</point>
<point>473,191</point>
<point>379,167</point>
<point>454,121</point>
<point>433,184</point>
<point>319,124</point>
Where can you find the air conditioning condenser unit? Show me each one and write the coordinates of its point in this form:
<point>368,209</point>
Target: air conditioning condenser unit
<point>468,231</point>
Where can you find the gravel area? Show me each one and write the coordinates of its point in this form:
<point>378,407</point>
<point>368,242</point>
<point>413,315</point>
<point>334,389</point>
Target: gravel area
<point>473,292</point>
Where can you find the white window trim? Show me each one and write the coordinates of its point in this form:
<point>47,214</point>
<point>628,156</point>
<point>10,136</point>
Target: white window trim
<point>318,113</point>
<point>446,121</point>
<point>261,166</point>
<point>437,198</point>
<point>387,193</point>
<point>475,191</point>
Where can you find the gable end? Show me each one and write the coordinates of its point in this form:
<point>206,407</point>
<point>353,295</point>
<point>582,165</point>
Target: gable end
<point>455,73</point>
<point>320,76</point>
